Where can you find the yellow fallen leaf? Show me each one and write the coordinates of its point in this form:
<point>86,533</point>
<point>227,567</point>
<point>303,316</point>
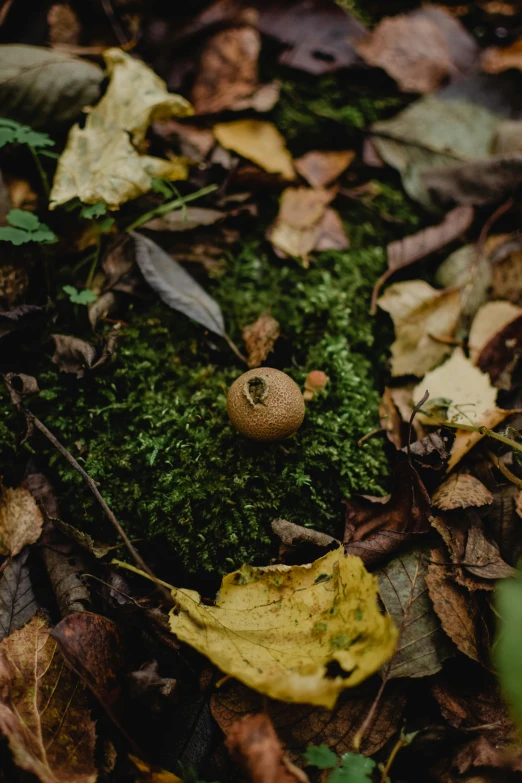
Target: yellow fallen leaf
<point>259,142</point>
<point>101,161</point>
<point>276,629</point>
<point>420,315</point>
<point>490,319</point>
<point>465,440</point>
<point>153,776</point>
<point>20,520</point>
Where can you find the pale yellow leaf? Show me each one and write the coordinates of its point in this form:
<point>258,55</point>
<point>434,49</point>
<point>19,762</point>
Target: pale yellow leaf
<point>151,775</point>
<point>465,440</point>
<point>276,629</point>
<point>259,142</point>
<point>490,319</point>
<point>20,520</point>
<point>102,160</point>
<point>461,490</point>
<point>420,315</point>
<point>467,391</point>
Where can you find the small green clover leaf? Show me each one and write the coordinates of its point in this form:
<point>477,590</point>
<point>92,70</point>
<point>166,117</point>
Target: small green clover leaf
<point>89,211</point>
<point>25,227</point>
<point>321,757</point>
<point>354,769</point>
<point>12,132</point>
<point>84,297</point>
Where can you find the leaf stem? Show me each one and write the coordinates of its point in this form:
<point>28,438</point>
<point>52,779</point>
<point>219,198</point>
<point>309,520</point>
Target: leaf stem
<point>41,170</point>
<point>513,444</point>
<point>163,209</point>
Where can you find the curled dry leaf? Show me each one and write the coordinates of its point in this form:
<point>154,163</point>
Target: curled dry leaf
<point>320,167</point>
<point>500,356</point>
<point>44,712</point>
<point>375,528</point>
<point>228,70</point>
<point>254,745</point>
<point>273,628</point>
<point>176,287</point>
<point>259,142</point>
<point>17,599</point>
<point>490,319</point>
<point>66,575</point>
<point>425,320</point>
<point>423,645</point>
<point>101,161</point>
<point>45,87</point>
<point>391,419</point>
<point>21,520</point>
<point>260,338</point>
<point>301,725</point>
<point>457,610</point>
<point>461,490</point>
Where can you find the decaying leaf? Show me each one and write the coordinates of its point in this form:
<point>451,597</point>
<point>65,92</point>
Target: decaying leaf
<point>424,320</point>
<point>185,219</point>
<point>101,161</point>
<point>422,646</point>
<point>299,227</point>
<point>20,520</point>
<point>66,575</point>
<point>176,287</point>
<point>496,59</point>
<point>301,725</point>
<point>150,774</point>
<point>228,74</point>
<point>500,356</point>
<point>17,599</point>
<point>64,25</point>
<point>413,49</point>
<point>254,745</point>
<point>489,320</point>
<point>277,628</point>
<point>434,133</point>
<point>465,441</point>
<point>44,87</point>
<point>457,610</point>
<point>44,713</point>
<point>375,528</point>
<point>260,338</point>
<point>320,167</point>
<point>461,490</point>
<point>331,232</point>
<point>259,142</point>
<point>82,538</point>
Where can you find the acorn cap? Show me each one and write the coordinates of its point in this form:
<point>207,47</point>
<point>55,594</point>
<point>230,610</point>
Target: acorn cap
<point>265,404</point>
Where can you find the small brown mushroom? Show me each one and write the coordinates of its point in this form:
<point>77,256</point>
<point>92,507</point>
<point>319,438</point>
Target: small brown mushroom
<point>265,404</point>
<point>315,381</point>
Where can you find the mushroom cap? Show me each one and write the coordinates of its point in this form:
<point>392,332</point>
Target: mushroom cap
<point>265,404</point>
<point>316,380</point>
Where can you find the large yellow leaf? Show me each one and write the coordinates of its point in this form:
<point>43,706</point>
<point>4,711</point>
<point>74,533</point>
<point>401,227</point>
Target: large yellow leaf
<point>101,161</point>
<point>258,141</point>
<point>278,628</point>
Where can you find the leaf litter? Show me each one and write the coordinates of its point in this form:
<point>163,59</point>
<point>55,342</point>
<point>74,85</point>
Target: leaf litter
<point>275,118</point>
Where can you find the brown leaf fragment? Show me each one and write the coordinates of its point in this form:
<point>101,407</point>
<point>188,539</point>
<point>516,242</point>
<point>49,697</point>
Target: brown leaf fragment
<point>300,725</point>
<point>480,754</point>
<point>320,167</point>
<point>461,490</point>
<point>457,610</point>
<point>482,557</point>
<point>152,774</point>
<point>253,744</point>
<point>297,227</point>
<point>44,713</point>
<point>185,219</point>
<point>73,355</point>
<point>500,355</point>
<point>331,232</point>
<point>260,338</point>
<point>474,183</point>
<point>404,252</point>
<point>377,527</point>
<point>420,50</point>
<point>228,73</point>
<point>17,599</point>
<point>21,520</point>
<point>300,544</point>
<point>496,59</point>
<point>490,319</point>
<point>468,700</point>
<point>64,25</point>
<point>92,647</point>
<point>391,420</point>
<point>195,143</point>
<point>66,577</point>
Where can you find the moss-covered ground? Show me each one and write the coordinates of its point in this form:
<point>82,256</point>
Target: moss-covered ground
<point>153,431</point>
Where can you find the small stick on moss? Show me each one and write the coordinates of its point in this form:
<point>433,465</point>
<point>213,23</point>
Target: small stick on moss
<point>33,421</point>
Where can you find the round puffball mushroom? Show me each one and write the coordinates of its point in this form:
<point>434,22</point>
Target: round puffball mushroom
<point>265,404</point>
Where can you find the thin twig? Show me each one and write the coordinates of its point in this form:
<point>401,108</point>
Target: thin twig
<point>505,470</point>
<point>163,209</point>
<point>116,26</point>
<point>95,491</point>
<point>356,743</point>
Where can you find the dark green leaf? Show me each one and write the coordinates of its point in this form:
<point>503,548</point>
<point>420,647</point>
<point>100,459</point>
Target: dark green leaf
<point>89,211</point>
<point>22,219</point>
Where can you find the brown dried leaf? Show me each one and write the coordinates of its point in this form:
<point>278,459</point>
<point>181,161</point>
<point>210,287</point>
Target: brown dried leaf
<point>489,320</point>
<point>424,319</point>
<point>259,142</point>
<point>66,577</point>
<point>73,355</point>
<point>21,520</point>
<point>331,232</point>
<point>377,527</point>
<point>227,70</point>
<point>44,713</point>
<point>64,25</point>
<point>506,276</point>
<point>391,419</point>
<point>457,610</point>
<point>497,59</point>
<point>320,167</point>
<point>499,357</point>
<point>461,490</point>
<point>300,725</point>
<point>297,227</point>
<point>260,338</point>
<point>185,219</point>
<point>254,745</point>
